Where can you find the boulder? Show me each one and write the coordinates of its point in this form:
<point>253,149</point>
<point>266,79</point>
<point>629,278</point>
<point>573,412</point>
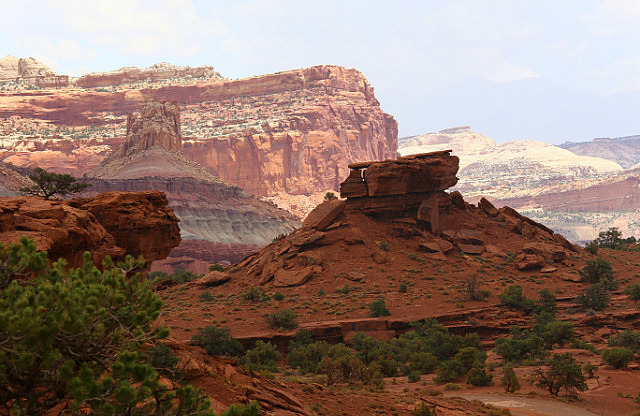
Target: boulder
<point>546,250</point>
<point>467,236</point>
<point>324,214</point>
<point>429,247</point>
<point>530,261</point>
<point>213,278</point>
<point>428,213</point>
<point>457,200</point>
<point>488,208</point>
<point>428,172</point>
<point>293,277</point>
<point>380,257</point>
<point>471,248</point>
<point>304,237</point>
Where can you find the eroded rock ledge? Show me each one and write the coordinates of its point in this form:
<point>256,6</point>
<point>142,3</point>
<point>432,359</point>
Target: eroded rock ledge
<point>111,224</point>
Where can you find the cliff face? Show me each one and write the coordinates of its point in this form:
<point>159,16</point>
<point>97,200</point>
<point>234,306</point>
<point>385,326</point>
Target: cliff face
<point>30,72</point>
<point>278,135</point>
<point>113,224</point>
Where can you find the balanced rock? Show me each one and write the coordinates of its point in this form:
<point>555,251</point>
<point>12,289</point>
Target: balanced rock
<point>324,214</point>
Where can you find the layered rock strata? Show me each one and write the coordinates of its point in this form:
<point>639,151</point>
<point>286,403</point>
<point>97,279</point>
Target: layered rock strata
<point>221,222</point>
<point>157,72</point>
<point>30,72</point>
<point>281,135</point>
<point>112,224</point>
<point>406,199</point>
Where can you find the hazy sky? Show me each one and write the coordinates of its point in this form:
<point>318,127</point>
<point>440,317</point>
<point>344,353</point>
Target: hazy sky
<point>434,64</point>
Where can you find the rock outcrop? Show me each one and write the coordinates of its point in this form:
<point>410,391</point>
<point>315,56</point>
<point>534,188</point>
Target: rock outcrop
<point>157,72</point>
<point>287,136</point>
<point>30,72</point>
<point>403,199</point>
<point>218,221</point>
<point>112,224</point>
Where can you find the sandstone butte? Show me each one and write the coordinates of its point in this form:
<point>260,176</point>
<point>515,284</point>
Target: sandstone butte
<point>218,221</point>
<point>288,136</point>
<point>110,224</point>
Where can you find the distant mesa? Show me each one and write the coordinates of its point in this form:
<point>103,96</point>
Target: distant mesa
<point>30,72</point>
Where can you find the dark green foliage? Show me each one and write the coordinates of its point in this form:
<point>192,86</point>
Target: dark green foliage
<point>617,357</point>
<point>478,376</point>
<point>308,357</point>
<point>628,339</point>
<point>562,373</point>
<point>557,332</point>
<point>283,319</point>
<point>48,184</point>
<point>509,379</point>
<point>378,308</point>
<point>402,288</point>
<point>449,371</point>
<point>599,271</point>
<point>633,291</point>
<point>424,410</point>
<point>263,357</point>
<point>218,341</point>
<point>163,359</point>
<point>344,290</point>
<point>256,294</point>
<point>589,370</point>
<point>329,196</point>
<point>609,239</point>
<point>592,247</point>
<point>414,376</point>
<point>205,296</point>
<point>514,298</point>
<point>596,297</point>
<point>546,303</point>
<point>278,296</point>
<point>251,409</point>
<point>216,267</point>
<point>522,345</point>
<point>178,276</point>
<point>76,336</point>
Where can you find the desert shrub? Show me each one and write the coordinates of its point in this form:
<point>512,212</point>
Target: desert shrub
<point>596,297</point>
<point>283,319</point>
<point>617,357</point>
<point>262,357</point>
<point>628,339</point>
<point>423,362</point>
<point>424,410</point>
<point>546,303</point>
<point>514,298</point>
<point>345,368</point>
<point>522,345</point>
<point>509,379</point>
<point>48,184</point>
<point>477,376</point>
<point>609,239</point>
<point>308,357</point>
<point>562,374</point>
<point>216,267</point>
<point>449,371</point>
<point>178,276</point>
<point>278,296</point>
<point>414,377</point>
<point>218,341</point>
<point>589,370</point>
<point>378,308</point>
<point>329,196</point>
<point>402,288</point>
<point>344,290</point>
<point>256,294</point>
<point>163,359</point>
<point>383,245</point>
<point>557,332</point>
<point>75,337</point>
<point>633,291</point>
<point>250,409</point>
<point>599,271</point>
<point>592,247</point>
<point>205,296</point>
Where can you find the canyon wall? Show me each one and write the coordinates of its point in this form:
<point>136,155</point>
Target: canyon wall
<point>278,135</point>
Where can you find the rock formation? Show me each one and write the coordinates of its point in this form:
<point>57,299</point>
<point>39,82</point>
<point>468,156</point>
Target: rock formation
<point>403,198</point>
<point>157,72</point>
<point>287,136</point>
<point>218,221</point>
<point>30,72</point>
<point>112,224</point>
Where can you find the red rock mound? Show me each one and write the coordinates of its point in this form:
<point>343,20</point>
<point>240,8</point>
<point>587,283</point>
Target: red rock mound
<point>112,224</point>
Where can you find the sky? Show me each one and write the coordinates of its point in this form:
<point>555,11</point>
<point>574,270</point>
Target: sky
<point>550,70</point>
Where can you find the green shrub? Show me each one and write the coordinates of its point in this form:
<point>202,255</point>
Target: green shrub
<point>628,339</point>
<point>514,298</point>
<point>283,319</point>
<point>278,296</point>
<point>617,357</point>
<point>523,345</point>
<point>414,377</point>
<point>205,296</point>
<point>599,271</point>
<point>48,184</point>
<point>402,288</point>
<point>633,291</point>
<point>344,290</point>
<point>596,297</point>
<point>383,245</point>
<point>263,357</point>
<point>216,267</point>
<point>256,294</point>
<point>546,303</point>
<point>450,370</point>
<point>478,376</point>
<point>378,308</point>
<point>163,359</point>
<point>589,370</point>
<point>178,276</point>
<point>509,379</point>
<point>557,332</point>
<point>218,341</point>
<point>424,410</point>
<point>250,409</point>
<point>562,373</point>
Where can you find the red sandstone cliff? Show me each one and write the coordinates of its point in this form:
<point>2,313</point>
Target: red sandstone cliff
<point>113,224</point>
<point>290,133</point>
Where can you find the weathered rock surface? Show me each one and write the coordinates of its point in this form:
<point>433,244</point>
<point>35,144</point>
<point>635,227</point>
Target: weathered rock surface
<point>288,136</point>
<point>30,72</point>
<point>210,210</point>
<point>157,72</point>
<point>111,224</point>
